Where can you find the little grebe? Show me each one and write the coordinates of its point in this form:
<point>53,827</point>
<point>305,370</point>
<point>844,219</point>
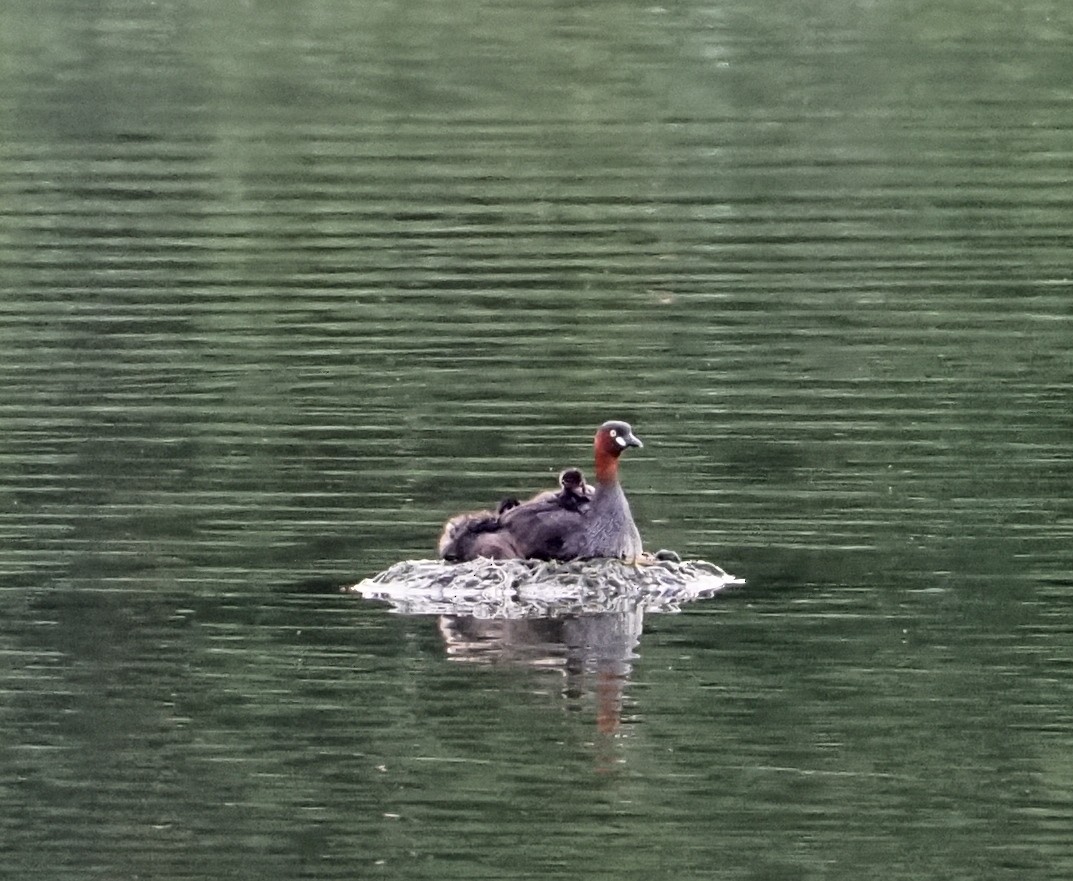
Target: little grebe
<point>575,522</point>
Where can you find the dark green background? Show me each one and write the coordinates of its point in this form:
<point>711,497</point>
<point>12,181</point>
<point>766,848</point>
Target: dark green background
<point>282,285</point>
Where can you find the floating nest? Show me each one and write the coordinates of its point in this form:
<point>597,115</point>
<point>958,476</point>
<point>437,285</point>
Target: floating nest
<point>537,589</point>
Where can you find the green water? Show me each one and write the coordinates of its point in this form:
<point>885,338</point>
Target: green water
<point>283,285</point>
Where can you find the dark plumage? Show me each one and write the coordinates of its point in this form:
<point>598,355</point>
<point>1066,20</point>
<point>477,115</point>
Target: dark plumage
<point>480,533</point>
<point>576,521</point>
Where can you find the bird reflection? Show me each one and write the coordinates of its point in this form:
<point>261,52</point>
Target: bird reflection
<point>593,652</point>
<point>581,619</point>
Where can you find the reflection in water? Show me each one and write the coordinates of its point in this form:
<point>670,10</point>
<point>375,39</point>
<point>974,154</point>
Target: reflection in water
<point>574,643</point>
<point>592,651</point>
<point>583,618</point>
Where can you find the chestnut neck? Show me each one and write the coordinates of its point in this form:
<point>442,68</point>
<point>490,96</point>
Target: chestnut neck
<point>606,462</point>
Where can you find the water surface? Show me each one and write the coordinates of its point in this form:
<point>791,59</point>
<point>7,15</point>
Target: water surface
<point>282,286</point>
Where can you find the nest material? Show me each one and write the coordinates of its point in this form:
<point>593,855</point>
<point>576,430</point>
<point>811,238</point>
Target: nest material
<point>536,589</point>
